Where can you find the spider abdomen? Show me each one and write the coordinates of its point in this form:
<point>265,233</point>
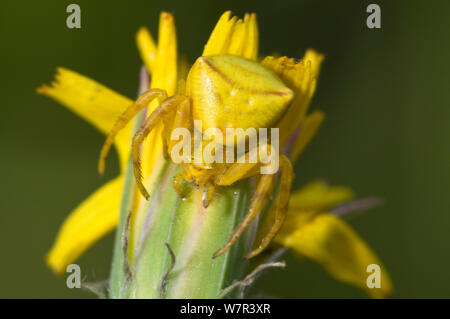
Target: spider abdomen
<point>234,92</point>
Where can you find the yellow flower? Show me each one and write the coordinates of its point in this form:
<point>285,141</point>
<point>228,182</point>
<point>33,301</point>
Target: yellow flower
<point>310,230</point>
<point>313,231</point>
<point>98,214</point>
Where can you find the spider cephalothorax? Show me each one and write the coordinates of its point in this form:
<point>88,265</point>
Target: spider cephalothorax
<point>223,92</point>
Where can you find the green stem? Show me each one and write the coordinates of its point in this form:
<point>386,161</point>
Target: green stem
<point>193,234</point>
<point>117,279</point>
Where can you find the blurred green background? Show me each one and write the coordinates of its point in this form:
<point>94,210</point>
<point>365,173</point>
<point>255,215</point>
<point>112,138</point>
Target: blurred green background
<point>385,92</point>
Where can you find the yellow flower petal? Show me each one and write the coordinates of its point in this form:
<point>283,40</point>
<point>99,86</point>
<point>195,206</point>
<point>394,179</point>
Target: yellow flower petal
<point>312,199</point>
<point>317,196</point>
<point>301,77</point>
<point>91,220</point>
<point>183,71</point>
<point>239,34</point>
<point>147,48</point>
<point>330,242</point>
<point>92,101</point>
<point>164,77</point>
<point>220,37</point>
<point>100,106</point>
<point>308,129</point>
<point>252,44</point>
<point>316,59</point>
<point>233,36</point>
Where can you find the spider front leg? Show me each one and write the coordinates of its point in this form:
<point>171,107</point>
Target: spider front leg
<point>262,189</point>
<point>182,119</point>
<point>238,171</point>
<point>281,205</point>
<point>124,118</point>
<point>208,194</point>
<point>169,105</point>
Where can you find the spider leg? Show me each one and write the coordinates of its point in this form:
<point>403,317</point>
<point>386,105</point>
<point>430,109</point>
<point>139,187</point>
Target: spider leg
<point>166,107</point>
<point>264,185</point>
<point>238,171</point>
<point>177,184</point>
<point>181,119</point>
<point>165,148</point>
<point>123,120</point>
<point>281,205</point>
<point>208,194</point>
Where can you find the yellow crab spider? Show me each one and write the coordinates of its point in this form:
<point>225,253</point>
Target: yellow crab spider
<point>223,91</point>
